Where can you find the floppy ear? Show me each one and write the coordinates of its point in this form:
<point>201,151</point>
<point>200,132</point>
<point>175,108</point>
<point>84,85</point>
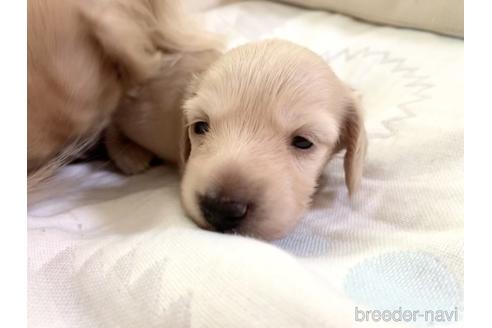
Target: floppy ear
<point>354,140</point>
<point>185,143</point>
<point>184,146</point>
<point>143,36</point>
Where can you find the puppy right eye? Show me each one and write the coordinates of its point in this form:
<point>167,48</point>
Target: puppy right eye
<point>200,127</point>
<point>301,142</point>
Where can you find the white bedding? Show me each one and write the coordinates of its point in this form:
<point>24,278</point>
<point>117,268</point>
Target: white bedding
<point>110,251</point>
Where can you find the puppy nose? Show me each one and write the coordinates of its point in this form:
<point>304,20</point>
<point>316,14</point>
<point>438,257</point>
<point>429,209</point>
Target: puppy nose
<point>223,214</point>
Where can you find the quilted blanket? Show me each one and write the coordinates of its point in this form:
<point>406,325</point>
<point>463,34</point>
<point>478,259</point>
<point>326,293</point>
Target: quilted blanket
<point>111,251</point>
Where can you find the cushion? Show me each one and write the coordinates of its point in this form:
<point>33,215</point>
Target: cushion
<point>440,16</point>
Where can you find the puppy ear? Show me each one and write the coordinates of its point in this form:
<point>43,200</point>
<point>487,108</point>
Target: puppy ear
<point>143,37</point>
<point>185,144</point>
<point>354,140</point>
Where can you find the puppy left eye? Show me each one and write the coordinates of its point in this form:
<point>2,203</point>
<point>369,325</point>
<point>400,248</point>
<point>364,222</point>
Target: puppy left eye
<point>301,142</point>
<point>200,127</point>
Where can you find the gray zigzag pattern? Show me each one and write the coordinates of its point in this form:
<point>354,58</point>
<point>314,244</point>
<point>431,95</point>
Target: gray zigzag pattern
<point>420,83</point>
<point>80,294</point>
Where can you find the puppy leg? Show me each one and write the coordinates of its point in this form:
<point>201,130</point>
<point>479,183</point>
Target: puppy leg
<point>128,156</point>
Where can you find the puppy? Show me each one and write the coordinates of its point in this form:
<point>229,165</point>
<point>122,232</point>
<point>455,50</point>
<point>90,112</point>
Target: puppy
<point>260,125</point>
<point>85,57</point>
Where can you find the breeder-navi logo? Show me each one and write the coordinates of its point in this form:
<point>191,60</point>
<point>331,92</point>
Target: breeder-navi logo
<point>406,315</point>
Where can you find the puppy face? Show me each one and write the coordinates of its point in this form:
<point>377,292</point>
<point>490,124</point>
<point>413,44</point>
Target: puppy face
<point>261,123</point>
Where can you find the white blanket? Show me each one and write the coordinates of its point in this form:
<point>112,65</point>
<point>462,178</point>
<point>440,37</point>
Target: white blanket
<point>110,251</point>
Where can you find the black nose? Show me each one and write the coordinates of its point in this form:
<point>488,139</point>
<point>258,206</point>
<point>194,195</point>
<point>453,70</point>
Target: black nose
<point>221,213</point>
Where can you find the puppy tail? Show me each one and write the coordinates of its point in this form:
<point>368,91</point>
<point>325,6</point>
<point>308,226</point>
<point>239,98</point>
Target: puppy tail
<point>40,178</point>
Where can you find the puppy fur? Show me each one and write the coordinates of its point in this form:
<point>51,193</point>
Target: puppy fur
<point>256,99</point>
<point>149,122</point>
<point>122,66</point>
<point>85,57</point>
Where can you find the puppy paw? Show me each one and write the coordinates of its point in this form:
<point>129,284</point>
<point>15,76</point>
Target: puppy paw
<point>133,160</point>
<point>129,157</point>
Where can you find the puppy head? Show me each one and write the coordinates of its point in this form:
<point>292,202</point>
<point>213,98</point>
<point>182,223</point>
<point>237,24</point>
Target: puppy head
<point>260,124</point>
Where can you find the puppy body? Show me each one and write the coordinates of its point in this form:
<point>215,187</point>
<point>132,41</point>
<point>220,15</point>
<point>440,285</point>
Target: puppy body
<point>149,123</point>
<point>244,170</point>
<point>84,57</point>
<point>72,87</point>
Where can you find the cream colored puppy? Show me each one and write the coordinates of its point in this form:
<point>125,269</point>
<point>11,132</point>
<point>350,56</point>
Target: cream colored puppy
<point>260,125</point>
<point>87,57</point>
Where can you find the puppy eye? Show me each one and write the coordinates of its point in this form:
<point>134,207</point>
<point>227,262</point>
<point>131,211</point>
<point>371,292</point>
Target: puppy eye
<point>301,142</point>
<point>200,127</point>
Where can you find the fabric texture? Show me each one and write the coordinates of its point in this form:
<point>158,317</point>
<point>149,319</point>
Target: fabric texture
<point>105,250</point>
<point>441,16</point>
